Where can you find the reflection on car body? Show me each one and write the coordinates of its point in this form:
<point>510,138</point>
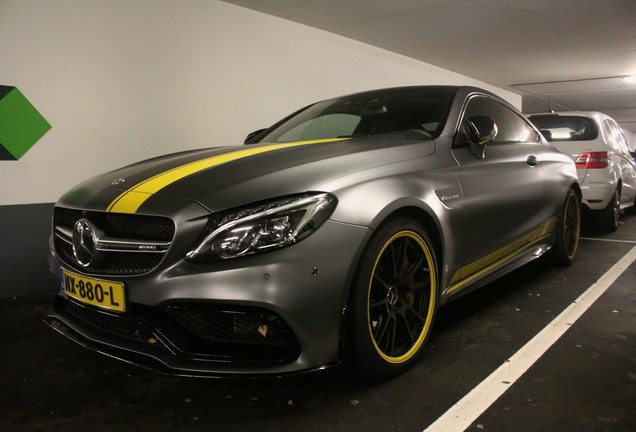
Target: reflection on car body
<point>335,235</point>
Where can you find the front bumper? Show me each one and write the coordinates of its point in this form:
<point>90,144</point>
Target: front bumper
<point>276,313</point>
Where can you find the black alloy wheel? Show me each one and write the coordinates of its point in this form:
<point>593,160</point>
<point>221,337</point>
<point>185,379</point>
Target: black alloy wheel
<point>394,299</point>
<point>568,231</point>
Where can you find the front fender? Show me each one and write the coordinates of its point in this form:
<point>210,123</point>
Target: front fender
<point>431,196</point>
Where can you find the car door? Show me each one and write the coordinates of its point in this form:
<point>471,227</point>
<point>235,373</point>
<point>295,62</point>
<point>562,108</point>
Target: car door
<point>505,195</point>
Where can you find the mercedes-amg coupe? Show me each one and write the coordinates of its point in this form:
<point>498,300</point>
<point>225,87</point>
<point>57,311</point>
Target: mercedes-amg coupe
<point>331,237</point>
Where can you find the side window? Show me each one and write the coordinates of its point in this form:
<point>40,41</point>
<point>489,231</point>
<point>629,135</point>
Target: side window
<point>512,128</point>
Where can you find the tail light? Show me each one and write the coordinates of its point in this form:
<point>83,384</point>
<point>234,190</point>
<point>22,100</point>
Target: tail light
<point>592,160</point>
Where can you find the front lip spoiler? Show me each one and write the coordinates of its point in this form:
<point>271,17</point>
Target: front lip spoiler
<point>152,357</point>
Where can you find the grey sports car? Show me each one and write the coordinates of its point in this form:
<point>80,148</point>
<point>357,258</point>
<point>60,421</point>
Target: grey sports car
<point>333,236</point>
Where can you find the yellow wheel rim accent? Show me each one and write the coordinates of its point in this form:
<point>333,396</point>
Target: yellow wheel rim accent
<point>430,300</point>
<point>572,227</point>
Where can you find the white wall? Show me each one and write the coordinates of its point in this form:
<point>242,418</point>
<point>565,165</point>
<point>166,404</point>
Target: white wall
<point>124,80</point>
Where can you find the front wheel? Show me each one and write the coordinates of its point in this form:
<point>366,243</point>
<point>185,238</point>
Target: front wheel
<point>568,231</point>
<point>393,300</point>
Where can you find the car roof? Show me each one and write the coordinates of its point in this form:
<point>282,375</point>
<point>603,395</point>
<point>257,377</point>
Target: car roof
<point>596,115</point>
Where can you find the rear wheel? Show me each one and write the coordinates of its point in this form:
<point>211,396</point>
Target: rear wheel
<point>393,299</point>
<point>608,218</point>
<point>631,210</point>
<point>568,231</point>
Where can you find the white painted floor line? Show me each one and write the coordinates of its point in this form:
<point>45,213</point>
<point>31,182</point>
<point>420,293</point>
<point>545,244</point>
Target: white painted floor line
<point>609,240</point>
<point>461,415</point>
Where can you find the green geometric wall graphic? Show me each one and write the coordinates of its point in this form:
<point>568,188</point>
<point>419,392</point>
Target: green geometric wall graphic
<point>21,125</point>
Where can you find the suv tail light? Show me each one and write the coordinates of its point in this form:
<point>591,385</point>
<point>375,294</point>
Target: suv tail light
<point>592,160</point>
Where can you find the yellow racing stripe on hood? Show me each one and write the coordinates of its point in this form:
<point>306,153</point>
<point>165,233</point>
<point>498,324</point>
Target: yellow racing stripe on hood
<point>130,200</point>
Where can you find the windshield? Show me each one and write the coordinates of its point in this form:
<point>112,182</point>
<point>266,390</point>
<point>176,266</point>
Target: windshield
<point>416,113</point>
<point>566,128</point>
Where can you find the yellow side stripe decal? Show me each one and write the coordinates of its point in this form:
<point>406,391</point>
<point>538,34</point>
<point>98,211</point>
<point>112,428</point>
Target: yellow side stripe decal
<point>130,200</point>
<point>473,270</point>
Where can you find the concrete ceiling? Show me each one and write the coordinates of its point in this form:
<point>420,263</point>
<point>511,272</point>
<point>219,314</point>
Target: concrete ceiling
<point>558,54</point>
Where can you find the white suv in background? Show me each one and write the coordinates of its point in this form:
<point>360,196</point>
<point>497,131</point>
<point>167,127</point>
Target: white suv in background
<point>606,169</point>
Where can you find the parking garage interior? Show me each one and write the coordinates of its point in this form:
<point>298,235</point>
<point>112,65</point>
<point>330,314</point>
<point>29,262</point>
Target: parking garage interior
<point>543,348</point>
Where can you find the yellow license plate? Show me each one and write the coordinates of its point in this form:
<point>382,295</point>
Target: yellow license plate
<point>97,292</point>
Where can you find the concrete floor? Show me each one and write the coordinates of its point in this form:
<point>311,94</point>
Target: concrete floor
<point>585,382</point>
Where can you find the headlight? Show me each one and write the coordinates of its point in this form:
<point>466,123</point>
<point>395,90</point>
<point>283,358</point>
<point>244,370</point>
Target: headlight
<point>263,227</point>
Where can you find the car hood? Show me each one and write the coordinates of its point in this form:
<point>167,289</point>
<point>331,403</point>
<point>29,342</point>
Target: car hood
<point>226,177</point>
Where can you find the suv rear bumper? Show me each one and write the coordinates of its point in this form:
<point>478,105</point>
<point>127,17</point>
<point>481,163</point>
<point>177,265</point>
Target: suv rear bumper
<point>597,196</point>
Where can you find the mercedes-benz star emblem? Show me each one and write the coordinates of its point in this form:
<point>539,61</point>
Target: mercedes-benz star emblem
<point>84,242</point>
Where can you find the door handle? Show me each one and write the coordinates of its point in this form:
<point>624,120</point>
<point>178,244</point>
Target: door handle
<point>532,160</point>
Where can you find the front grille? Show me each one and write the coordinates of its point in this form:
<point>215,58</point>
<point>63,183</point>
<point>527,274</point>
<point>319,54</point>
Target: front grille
<point>129,263</point>
<point>126,229</point>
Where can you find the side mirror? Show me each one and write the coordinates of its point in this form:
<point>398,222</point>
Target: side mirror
<point>481,130</point>
<point>252,135</point>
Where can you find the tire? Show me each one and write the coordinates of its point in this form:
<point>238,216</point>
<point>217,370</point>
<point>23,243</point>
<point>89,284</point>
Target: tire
<point>393,300</point>
<point>568,231</point>
<point>608,218</point>
<point>631,210</point>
